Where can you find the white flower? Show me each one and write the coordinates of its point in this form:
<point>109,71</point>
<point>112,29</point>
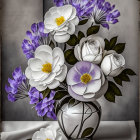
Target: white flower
<point>113,64</point>
<point>90,49</point>
<point>48,133</point>
<point>47,69</point>
<point>62,21</point>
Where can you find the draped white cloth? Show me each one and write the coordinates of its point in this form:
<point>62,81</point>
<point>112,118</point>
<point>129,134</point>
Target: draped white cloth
<point>108,130</point>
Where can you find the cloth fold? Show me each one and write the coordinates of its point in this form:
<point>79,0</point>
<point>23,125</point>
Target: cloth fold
<point>108,130</point>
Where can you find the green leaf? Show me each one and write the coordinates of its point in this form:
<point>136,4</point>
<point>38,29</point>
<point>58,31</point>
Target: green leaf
<point>129,72</point>
<point>87,132</point>
<point>114,88</point>
<point>113,42</point>
<point>52,44</point>
<point>71,102</point>
<point>46,92</point>
<point>124,77</point>
<point>107,44</point>
<point>73,41</point>
<point>82,22</point>
<point>118,80</point>
<point>70,57</point>
<point>80,35</point>
<point>110,96</point>
<point>93,30</point>
<point>60,94</point>
<point>119,48</point>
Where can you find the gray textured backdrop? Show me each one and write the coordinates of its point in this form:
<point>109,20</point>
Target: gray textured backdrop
<point>18,15</point>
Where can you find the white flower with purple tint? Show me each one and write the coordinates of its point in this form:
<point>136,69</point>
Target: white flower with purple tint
<point>113,64</point>
<point>61,22</point>
<point>18,86</point>
<point>85,81</point>
<point>37,38</point>
<point>104,14</point>
<point>47,69</point>
<point>90,49</point>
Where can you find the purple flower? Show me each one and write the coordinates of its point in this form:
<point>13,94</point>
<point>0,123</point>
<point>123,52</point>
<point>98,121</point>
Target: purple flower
<point>85,80</point>
<point>17,86</point>
<point>84,8</point>
<point>46,106</point>
<point>34,95</point>
<point>37,38</point>
<point>104,14</point>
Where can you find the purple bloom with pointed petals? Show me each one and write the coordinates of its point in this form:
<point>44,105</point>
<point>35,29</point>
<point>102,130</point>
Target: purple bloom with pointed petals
<point>37,38</point>
<point>46,106</point>
<point>17,86</point>
<point>34,95</point>
<point>85,80</point>
<point>104,14</point>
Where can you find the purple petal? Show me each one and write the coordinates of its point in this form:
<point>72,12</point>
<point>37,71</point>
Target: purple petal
<point>11,98</point>
<point>116,14</point>
<point>73,76</point>
<point>34,28</point>
<point>105,25</point>
<point>115,21</point>
<point>83,67</point>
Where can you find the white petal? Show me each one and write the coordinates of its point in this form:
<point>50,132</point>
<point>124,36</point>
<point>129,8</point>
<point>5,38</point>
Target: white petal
<point>89,58</point>
<point>65,11</point>
<point>41,87</point>
<point>49,79</point>
<point>95,72</point>
<point>88,95</point>
<point>71,29</point>
<point>61,33</point>
<point>44,56</point>
<point>28,73</point>
<point>37,75</point>
<point>79,88</point>
<point>61,38</point>
<point>44,48</point>
<point>33,83</point>
<point>36,64</point>
<point>57,52</point>
<point>75,21</point>
<point>106,65</point>
<point>62,75</point>
<point>54,84</point>
<point>73,14</point>
<point>100,39</point>
<point>93,86</point>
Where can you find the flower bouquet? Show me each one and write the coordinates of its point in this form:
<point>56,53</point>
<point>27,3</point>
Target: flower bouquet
<point>68,69</point>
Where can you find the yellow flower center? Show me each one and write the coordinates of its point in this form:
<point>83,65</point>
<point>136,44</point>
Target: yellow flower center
<point>47,68</point>
<point>60,20</point>
<point>48,139</point>
<point>85,78</point>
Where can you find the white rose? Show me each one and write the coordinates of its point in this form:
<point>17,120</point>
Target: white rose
<point>113,64</point>
<point>48,133</point>
<point>61,21</point>
<point>47,69</point>
<point>90,49</point>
